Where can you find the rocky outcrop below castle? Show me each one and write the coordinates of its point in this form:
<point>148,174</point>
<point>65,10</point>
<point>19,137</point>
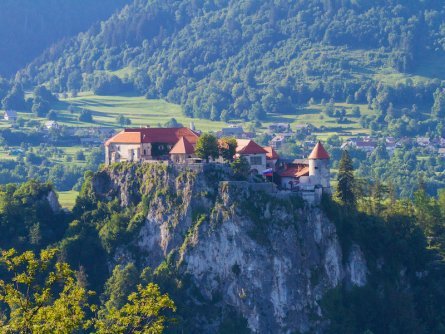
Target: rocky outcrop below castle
<point>266,256</point>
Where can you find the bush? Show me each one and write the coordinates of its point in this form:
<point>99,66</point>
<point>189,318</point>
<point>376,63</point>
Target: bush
<point>52,115</point>
<point>80,156</point>
<point>86,116</point>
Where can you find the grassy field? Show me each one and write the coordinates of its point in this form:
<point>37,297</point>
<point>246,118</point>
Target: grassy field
<point>143,112</point>
<point>139,110</point>
<point>67,199</point>
<point>314,115</point>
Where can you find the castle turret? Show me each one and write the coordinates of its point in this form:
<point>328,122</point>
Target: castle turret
<point>319,170</point>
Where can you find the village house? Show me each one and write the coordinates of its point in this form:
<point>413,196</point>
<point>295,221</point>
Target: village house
<point>10,116</point>
<point>279,128</point>
<point>232,131</point>
<point>423,141</point>
<point>277,141</point>
<point>49,125</point>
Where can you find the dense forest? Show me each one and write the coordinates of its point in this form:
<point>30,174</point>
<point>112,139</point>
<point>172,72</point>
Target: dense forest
<point>243,59</point>
<point>31,26</point>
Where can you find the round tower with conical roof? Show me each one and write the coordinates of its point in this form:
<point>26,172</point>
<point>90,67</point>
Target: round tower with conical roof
<point>319,170</point>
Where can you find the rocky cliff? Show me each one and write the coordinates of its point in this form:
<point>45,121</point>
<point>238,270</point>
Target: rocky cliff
<point>264,254</point>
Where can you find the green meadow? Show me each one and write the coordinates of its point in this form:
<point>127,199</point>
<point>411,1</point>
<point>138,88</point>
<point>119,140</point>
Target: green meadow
<point>143,112</point>
<point>67,199</point>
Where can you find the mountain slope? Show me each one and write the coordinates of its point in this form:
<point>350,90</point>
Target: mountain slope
<point>31,26</point>
<point>243,58</point>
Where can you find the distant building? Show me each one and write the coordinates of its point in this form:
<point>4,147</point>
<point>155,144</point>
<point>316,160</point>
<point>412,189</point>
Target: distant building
<point>10,116</point>
<point>277,141</point>
<point>236,132</point>
<point>366,145</point>
<point>279,127</point>
<point>51,125</point>
<point>423,141</point>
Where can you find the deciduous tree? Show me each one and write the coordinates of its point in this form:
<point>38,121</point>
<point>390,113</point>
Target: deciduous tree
<point>207,147</point>
<point>227,148</point>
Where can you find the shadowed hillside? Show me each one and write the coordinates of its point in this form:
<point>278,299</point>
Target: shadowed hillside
<point>30,26</point>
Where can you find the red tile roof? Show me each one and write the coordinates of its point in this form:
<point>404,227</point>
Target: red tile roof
<point>319,152</point>
<point>154,135</point>
<point>183,146</point>
<point>125,138</point>
<point>247,146</point>
<point>271,153</point>
<point>295,172</point>
<point>166,135</point>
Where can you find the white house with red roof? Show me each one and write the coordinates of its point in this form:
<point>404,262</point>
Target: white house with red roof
<point>255,154</point>
<point>182,152</point>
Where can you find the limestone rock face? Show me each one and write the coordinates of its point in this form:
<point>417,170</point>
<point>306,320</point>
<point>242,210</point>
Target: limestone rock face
<point>356,267</point>
<point>53,202</point>
<point>266,254</point>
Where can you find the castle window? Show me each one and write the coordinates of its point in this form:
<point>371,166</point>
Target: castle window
<point>256,160</point>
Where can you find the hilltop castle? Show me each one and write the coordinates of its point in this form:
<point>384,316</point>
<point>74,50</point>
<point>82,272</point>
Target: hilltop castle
<point>310,177</point>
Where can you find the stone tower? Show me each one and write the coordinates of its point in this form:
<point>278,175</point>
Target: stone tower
<point>319,171</point>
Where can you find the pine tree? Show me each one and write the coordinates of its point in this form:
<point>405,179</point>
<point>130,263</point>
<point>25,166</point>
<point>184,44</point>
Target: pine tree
<point>345,188</point>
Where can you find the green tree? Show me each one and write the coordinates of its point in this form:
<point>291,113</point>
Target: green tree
<point>173,123</point>
<point>143,313</point>
<point>227,148</point>
<point>240,168</point>
<point>40,296</point>
<point>439,104</point>
<point>86,116</point>
<point>80,156</point>
<point>207,147</point>
<point>346,183</point>
<point>15,100</point>
<point>119,286</point>
<point>122,120</point>
<point>52,115</point>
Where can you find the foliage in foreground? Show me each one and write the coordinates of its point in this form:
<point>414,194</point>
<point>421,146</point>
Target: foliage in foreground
<point>42,295</point>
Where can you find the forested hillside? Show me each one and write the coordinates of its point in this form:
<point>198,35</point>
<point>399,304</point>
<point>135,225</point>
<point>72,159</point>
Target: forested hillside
<point>231,59</point>
<point>31,26</point>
